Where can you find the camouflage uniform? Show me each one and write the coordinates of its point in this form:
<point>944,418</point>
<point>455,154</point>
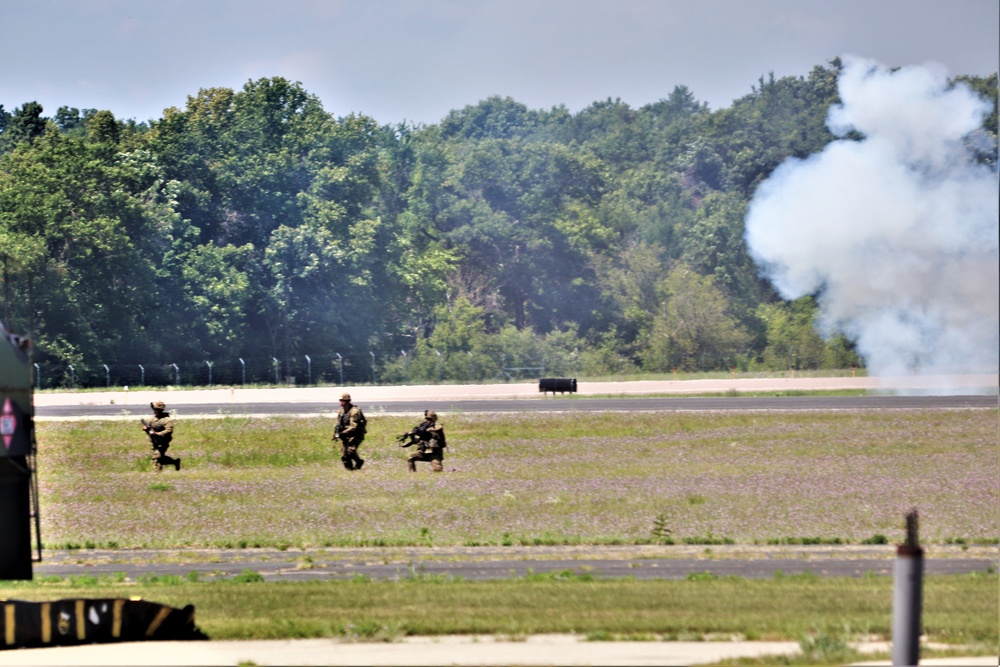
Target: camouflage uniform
<point>160,429</point>
<point>350,430</point>
<point>429,438</point>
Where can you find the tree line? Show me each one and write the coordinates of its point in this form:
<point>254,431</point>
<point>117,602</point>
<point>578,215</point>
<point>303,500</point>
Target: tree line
<point>254,224</point>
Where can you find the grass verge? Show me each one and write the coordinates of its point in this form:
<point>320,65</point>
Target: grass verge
<point>743,477</point>
<point>958,609</point>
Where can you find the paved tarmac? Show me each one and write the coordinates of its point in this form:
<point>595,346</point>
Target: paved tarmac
<point>448,650</point>
<point>125,398</point>
<point>486,563</point>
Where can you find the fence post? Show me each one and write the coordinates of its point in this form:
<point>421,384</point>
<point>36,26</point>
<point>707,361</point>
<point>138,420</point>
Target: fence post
<point>907,597</point>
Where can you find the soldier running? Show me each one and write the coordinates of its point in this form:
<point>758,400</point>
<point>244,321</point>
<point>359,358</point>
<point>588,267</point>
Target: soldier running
<point>350,431</point>
<point>160,429</point>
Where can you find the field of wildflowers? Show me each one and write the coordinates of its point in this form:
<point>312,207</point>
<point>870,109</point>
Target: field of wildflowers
<point>698,477</point>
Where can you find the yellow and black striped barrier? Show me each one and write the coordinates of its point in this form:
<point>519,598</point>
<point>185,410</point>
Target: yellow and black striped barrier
<point>90,621</point>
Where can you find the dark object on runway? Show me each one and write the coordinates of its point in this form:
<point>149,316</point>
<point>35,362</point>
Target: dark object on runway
<point>91,621</point>
<point>562,385</point>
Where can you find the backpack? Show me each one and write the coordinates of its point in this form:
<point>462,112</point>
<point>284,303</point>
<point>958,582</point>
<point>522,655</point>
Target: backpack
<point>362,423</point>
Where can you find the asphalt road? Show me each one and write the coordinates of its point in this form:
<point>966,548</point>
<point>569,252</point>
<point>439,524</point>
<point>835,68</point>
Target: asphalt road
<point>486,563</point>
<point>550,404</point>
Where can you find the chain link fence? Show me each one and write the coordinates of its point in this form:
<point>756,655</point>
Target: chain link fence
<point>353,368</point>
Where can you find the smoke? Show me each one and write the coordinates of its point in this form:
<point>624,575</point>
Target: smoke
<point>895,231</point>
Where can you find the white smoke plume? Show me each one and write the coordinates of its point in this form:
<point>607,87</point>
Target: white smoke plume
<point>897,233</point>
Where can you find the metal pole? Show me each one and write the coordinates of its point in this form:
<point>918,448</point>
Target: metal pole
<point>72,376</point>
<point>243,369</point>
<point>373,365</point>
<point>209,364</point>
<point>340,363</point>
<point>38,376</point>
<point>907,597</point>
<point>107,374</point>
<point>142,376</point>
<point>177,374</point>
<point>274,360</point>
<point>309,370</point>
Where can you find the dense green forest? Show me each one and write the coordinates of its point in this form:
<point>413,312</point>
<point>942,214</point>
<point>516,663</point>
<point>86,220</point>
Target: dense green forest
<point>254,236</point>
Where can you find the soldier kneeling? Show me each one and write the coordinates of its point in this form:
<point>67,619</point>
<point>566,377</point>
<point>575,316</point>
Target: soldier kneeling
<point>428,436</point>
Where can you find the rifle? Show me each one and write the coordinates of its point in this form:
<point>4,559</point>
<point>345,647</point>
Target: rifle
<point>407,439</point>
<point>417,435</point>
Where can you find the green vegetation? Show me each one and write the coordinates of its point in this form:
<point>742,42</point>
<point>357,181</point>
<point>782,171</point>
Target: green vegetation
<point>670,478</point>
<point>959,609</point>
<point>255,225</point>
<point>709,478</point>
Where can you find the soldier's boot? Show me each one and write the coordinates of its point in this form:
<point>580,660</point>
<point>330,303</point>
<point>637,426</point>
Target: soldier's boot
<point>412,465</point>
<point>177,463</point>
<point>360,463</point>
<point>436,466</point>
<point>347,463</point>
<point>157,464</point>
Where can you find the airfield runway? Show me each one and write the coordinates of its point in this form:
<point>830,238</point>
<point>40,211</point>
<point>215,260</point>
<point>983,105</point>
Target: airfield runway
<point>676,561</point>
<point>967,392</point>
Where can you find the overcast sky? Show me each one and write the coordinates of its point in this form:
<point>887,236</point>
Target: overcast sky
<point>415,60</point>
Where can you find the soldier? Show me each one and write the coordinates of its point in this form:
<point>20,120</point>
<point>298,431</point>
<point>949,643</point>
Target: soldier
<point>350,430</point>
<point>160,429</point>
<point>428,436</point>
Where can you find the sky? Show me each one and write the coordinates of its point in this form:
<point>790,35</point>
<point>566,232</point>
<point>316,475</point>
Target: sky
<point>415,60</point>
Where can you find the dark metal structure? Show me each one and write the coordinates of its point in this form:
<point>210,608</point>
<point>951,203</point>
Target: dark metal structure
<point>18,481</point>
<point>74,621</point>
<point>561,385</point>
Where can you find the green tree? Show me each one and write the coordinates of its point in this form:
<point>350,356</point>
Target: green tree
<point>493,118</point>
<point>984,143</point>
<point>217,286</point>
<point>793,340</point>
<point>692,329</point>
<point>630,286</point>
<point>779,119</point>
<point>24,125</point>
<point>77,218</point>
<point>268,171</point>
<point>715,246</point>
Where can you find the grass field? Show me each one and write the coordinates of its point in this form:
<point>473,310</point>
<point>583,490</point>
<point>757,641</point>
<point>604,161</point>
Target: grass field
<point>611,478</point>
<point>959,609</point>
